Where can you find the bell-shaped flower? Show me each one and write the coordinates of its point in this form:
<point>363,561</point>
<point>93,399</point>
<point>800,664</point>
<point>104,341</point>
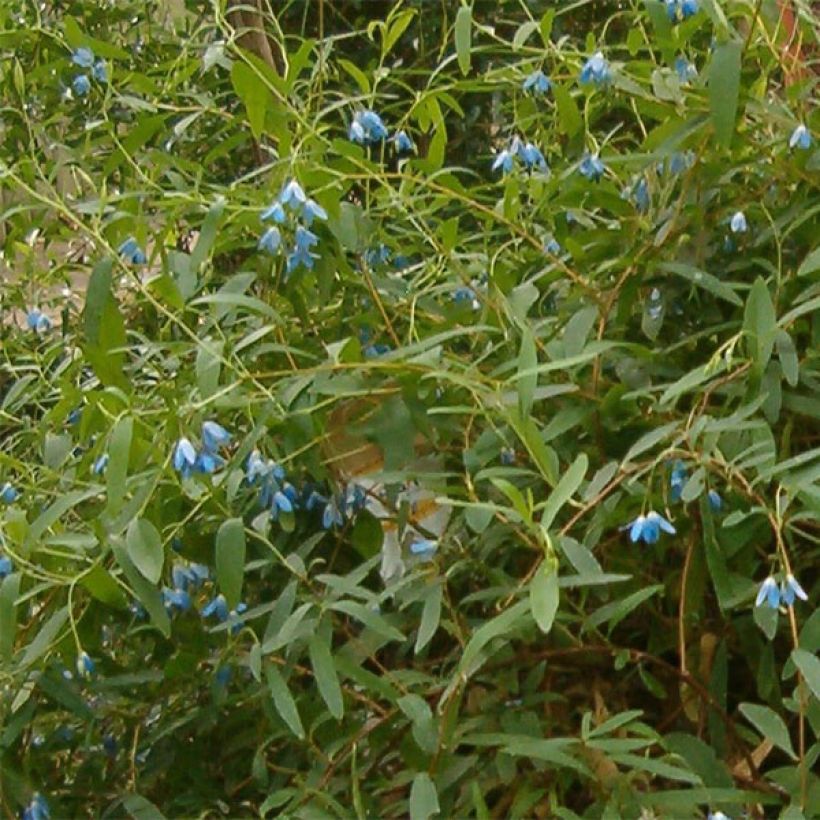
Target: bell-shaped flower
<point>596,70</point>
<point>98,467</point>
<point>82,57</point>
<point>313,210</point>
<point>6,566</point>
<point>37,321</point>
<point>715,501</point>
<point>275,212</point>
<point>551,246</point>
<point>402,142</point>
<point>208,462</point>
<point>768,593</point>
<point>531,156</point>
<point>81,85</point>
<point>647,528</point>
<point>270,241</point>
<point>592,167</point>
<point>800,138</point>
<point>677,480</point>
<point>737,224</point>
<point>99,72</point>
<point>85,666</point>
<point>292,195</point>
<point>217,606</point>
<point>214,436</point>
<point>367,128</point>
<point>37,809</point>
<point>423,547</point>
<point>131,251</point>
<point>791,588</point>
<point>332,515</point>
<point>504,161</point>
<point>685,70</point>
<point>234,617</point>
<point>8,493</point>
<point>537,82</point>
<point>184,457</point>
<point>640,195</point>
<point>175,600</point>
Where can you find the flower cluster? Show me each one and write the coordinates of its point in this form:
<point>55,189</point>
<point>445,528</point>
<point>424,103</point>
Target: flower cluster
<point>528,153</point>
<point>188,461</point>
<point>773,595</point>
<point>274,491</point>
<point>84,58</point>
<point>292,202</point>
<point>678,10</point>
<point>185,580</point>
<point>342,505</point>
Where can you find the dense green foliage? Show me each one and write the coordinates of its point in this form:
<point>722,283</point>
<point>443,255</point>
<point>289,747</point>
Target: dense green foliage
<point>451,382</point>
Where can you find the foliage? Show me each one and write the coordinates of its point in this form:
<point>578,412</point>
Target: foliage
<point>355,472</point>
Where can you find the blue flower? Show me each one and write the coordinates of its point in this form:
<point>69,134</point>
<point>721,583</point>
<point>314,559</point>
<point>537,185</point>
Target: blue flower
<point>8,493</point>
<point>270,241</point>
<point>537,82</point>
<point>464,295</point>
<point>223,676</point>
<point>110,746</point>
<point>552,246</point>
<point>6,567</point>
<point>791,587</point>
<point>769,593</point>
<point>37,809</point>
<point>216,606</point>
<point>85,666</point>
<point>276,212</point>
<point>175,600</point>
<point>98,467</point>
<point>423,547</point>
<point>332,515</point>
<point>38,321</point>
<point>81,85</point>
<point>647,528</point>
<point>678,10</point>
<point>800,138</point>
<point>375,350</point>
<point>184,457</point>
<point>715,501</point>
<point>281,502</point>
<point>531,156</point>
<point>99,72</point>
<point>737,223</point>
<point>313,210</point>
<point>207,462</point>
<point>367,128</point>
<point>402,142</point>
<point>377,256</point>
<point>596,70</point>
<point>214,436</point>
<point>591,167</point>
<point>686,71</point>
<point>82,57</point>
<point>640,195</point>
<point>131,251</point>
<point>292,195</point>
<point>300,257</point>
<point>681,161</point>
<point>717,815</point>
<point>677,480</point>
<point>504,161</point>
<point>507,456</point>
<point>233,616</point>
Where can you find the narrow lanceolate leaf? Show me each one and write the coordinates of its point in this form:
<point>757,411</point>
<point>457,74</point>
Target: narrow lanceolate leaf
<point>119,449</point>
<point>9,590</point>
<point>148,595</point>
<point>430,617</point>
<point>564,490</point>
<point>724,88</point>
<point>760,324</point>
<point>230,559</point>
<point>283,701</point>
<point>528,376</point>
<point>144,546</point>
<point>423,797</point>
<point>463,33</point>
<point>324,671</point>
<point>544,596</point>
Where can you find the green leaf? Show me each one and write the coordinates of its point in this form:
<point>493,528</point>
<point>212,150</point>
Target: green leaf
<point>9,590</point>
<point>495,628</point>
<point>809,667</point>
<point>564,490</point>
<point>724,88</point>
<point>707,281</point>
<point>325,672</point>
<point>544,596</point>
<point>145,548</point>
<point>283,701</point>
<point>423,797</point>
<point>254,95</point>
<point>208,232</point>
<point>140,808</point>
<point>230,559</point>
<point>569,117</point>
<point>119,450</point>
<point>418,711</point>
<point>147,593</point>
<point>527,373</point>
<point>463,34</point>
<point>370,619</point>
<point>430,617</point>
<point>45,639</point>
<point>615,612</point>
<point>770,725</point>
<point>101,584</point>
<point>760,324</point>
<point>810,264</point>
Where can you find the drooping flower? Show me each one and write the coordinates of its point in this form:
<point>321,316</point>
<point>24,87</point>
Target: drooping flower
<point>640,195</point>
<point>367,128</point>
<point>423,547</point>
<point>507,456</point>
<point>717,815</point>
<point>270,241</point>
<point>402,142</point>
<point>98,467</point>
<point>207,461</point>
<point>99,72</point>
<point>715,501</point>
<point>332,516</point>
<point>6,566</point>
<point>82,57</point>
<point>647,528</point>
<point>175,600</point>
<point>596,70</point>
<point>680,161</point>
<point>131,251</point>
<point>375,350</point>
<point>217,606</point>
<point>677,480</point>
<point>791,588</point>
<point>800,138</point>
<point>678,10</point>
<point>685,70</point>
<point>37,809</point>
<point>769,593</point>
<point>531,156</point>
<point>85,666</point>
<point>81,85</point>
<point>737,223</point>
<point>592,167</point>
<point>537,82</point>
<point>38,321</point>
<point>292,195</point>
<point>214,436</point>
<point>8,493</point>
<point>504,161</point>
<point>275,212</point>
<point>552,246</point>
<point>465,295</point>
<point>313,210</point>
<point>184,457</point>
<point>234,617</point>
